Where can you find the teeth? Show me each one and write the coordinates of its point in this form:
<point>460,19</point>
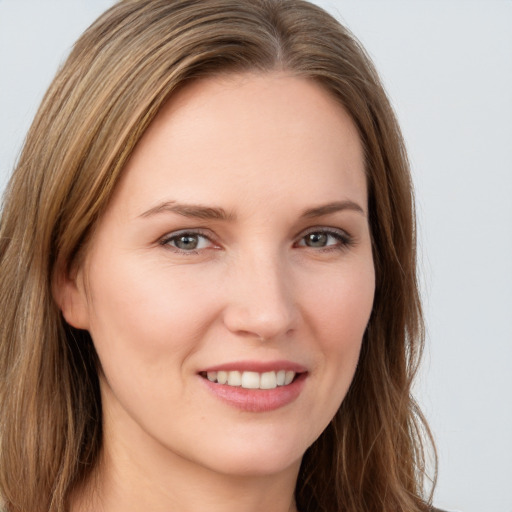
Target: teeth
<point>252,380</point>
<point>268,380</point>
<point>234,378</point>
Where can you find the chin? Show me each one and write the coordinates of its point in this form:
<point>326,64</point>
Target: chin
<point>263,465</point>
<point>259,455</point>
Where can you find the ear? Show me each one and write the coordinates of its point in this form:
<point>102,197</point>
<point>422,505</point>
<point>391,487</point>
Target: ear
<point>70,295</point>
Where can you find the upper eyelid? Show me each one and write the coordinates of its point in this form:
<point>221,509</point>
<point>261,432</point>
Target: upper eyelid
<point>323,229</point>
<point>192,231</point>
<point>196,231</point>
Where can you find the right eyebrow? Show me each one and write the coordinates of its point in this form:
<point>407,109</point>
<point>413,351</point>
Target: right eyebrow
<point>195,211</point>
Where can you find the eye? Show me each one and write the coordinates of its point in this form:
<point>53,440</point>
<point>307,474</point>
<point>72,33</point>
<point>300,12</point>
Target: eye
<point>187,241</point>
<point>325,239</point>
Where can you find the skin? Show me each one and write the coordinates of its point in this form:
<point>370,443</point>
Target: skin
<point>263,148</point>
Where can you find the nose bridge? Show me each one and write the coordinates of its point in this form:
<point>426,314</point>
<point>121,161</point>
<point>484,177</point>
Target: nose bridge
<point>261,301</point>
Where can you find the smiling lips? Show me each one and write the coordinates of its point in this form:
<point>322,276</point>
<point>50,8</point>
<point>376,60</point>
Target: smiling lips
<point>256,387</point>
<point>252,380</point>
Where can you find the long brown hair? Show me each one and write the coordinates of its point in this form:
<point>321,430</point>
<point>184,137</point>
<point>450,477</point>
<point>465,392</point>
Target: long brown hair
<point>125,66</point>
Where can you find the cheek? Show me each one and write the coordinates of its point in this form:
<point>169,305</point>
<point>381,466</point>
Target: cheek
<point>340,304</point>
<point>146,314</point>
<point>339,307</point>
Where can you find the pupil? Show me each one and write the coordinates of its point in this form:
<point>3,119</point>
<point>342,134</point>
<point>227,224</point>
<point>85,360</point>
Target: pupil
<point>187,242</point>
<point>316,239</point>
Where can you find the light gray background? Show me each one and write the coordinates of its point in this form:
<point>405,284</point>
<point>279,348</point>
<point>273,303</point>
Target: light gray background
<point>447,66</point>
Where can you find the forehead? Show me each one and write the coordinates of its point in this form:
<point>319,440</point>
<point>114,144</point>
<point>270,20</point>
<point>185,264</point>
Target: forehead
<point>260,137</point>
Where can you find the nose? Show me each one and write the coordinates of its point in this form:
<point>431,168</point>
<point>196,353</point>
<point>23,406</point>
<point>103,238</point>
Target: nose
<point>261,303</point>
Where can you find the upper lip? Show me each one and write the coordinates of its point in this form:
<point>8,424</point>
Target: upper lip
<point>256,366</point>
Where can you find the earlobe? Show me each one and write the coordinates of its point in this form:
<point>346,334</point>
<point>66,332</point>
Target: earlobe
<point>69,294</point>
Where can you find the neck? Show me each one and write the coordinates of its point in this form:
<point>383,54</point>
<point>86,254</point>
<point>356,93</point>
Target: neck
<point>112,488</point>
<point>133,475</point>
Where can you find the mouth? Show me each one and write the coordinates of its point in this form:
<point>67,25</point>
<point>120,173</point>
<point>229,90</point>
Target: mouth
<point>256,386</point>
<point>242,386</point>
<point>251,379</point>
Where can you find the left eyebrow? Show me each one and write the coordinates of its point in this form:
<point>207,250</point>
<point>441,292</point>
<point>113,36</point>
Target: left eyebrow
<point>326,209</point>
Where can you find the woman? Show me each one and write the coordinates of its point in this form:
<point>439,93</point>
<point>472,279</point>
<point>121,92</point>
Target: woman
<point>207,272</point>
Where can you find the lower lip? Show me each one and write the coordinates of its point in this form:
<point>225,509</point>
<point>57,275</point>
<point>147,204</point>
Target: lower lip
<point>257,400</point>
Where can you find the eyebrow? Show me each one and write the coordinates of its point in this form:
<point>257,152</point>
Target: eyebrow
<point>334,207</point>
<point>190,210</point>
<point>197,211</point>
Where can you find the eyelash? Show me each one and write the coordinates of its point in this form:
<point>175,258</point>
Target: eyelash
<point>343,238</point>
<point>166,240</point>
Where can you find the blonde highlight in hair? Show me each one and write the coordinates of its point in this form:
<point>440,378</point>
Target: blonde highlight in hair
<point>120,72</point>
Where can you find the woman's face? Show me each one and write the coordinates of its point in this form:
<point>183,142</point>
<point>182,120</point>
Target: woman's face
<point>234,257</point>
